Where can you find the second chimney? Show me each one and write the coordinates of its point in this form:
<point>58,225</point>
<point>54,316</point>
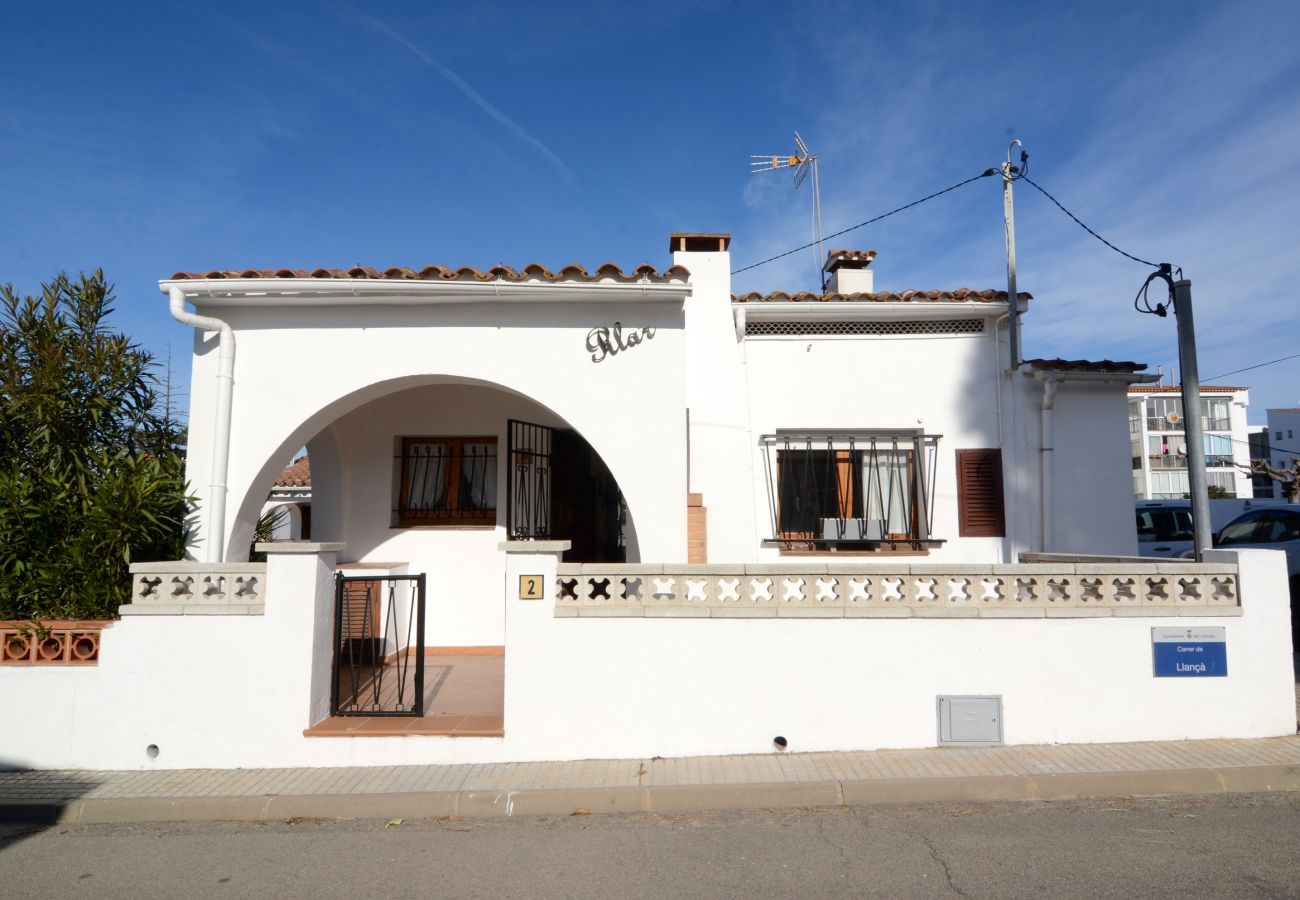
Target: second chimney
<point>849,272</point>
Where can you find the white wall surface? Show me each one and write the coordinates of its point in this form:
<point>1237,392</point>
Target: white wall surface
<point>630,407</point>
<point>1284,441</point>
<point>1093,498</point>
<point>944,385</point>
<point>237,691</point>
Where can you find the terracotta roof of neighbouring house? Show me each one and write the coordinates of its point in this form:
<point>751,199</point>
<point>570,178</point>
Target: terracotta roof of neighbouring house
<point>1177,388</point>
<point>530,272</point>
<point>1085,365</point>
<point>960,295</point>
<point>296,475</point>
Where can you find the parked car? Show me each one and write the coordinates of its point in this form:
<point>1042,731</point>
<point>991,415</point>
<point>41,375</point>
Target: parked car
<point>1274,528</point>
<point>1164,527</point>
<point>1271,528</point>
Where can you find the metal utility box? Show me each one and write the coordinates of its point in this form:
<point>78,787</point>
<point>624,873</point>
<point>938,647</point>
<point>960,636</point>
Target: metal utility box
<point>970,721</point>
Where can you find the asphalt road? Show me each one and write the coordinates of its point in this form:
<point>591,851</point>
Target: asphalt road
<point>1238,846</point>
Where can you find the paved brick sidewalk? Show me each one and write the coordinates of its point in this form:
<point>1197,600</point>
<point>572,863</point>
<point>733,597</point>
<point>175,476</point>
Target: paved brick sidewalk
<point>770,780</point>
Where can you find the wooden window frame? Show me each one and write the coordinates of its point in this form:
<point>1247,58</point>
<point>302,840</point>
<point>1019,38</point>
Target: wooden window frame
<point>452,516</point>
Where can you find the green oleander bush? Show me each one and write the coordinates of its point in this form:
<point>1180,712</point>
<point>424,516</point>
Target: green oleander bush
<point>91,462</point>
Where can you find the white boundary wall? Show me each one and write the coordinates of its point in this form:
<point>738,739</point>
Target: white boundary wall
<point>237,691</point>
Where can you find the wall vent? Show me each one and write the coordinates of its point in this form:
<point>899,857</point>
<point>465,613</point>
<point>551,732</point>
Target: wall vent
<point>816,327</point>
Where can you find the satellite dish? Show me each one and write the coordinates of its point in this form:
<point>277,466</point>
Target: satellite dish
<point>1182,449</point>
<point>1173,418</point>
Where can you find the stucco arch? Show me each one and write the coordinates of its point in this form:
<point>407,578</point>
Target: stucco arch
<point>314,431</point>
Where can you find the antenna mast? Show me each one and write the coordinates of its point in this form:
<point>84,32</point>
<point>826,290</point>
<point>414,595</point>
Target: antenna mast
<point>802,160</point>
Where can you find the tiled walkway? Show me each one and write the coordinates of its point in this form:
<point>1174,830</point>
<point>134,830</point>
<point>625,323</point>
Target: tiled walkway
<point>808,779</point>
<point>464,696</point>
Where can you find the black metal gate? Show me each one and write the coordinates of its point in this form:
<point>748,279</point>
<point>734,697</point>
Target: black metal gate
<point>528,486</point>
<point>378,646</point>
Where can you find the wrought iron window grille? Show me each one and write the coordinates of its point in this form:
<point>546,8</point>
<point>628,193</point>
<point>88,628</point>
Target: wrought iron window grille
<point>851,491</point>
<point>528,484</point>
<point>447,481</point>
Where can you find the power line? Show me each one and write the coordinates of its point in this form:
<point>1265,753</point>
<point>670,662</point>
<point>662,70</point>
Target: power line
<point>984,174</point>
<point>1079,222</point>
<point>1248,368</point>
<point>1266,447</point>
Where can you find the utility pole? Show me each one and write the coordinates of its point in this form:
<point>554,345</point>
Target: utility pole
<point>1009,215</point>
<point>1192,415</point>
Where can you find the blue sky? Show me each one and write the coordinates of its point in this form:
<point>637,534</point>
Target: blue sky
<point>151,138</point>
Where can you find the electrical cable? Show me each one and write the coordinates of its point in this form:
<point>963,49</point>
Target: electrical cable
<point>1163,271</point>
<point>1142,302</point>
<point>1268,447</point>
<point>984,174</point>
<point>1248,368</point>
<point>1025,176</point>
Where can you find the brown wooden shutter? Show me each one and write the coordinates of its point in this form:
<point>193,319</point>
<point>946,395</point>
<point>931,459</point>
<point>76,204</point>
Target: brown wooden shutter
<point>979,494</point>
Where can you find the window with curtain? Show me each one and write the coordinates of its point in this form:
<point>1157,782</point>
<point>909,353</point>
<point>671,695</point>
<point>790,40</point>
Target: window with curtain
<point>865,490</point>
<point>448,481</point>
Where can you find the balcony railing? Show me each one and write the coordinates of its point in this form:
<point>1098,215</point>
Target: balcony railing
<point>1177,461</point>
<point>1208,423</point>
<point>1058,589</point>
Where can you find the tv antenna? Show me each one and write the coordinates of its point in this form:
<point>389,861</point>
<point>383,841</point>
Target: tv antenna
<point>802,160</point>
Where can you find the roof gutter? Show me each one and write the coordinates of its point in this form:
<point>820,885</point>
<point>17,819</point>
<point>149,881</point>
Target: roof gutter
<point>289,292</point>
<point>216,531</point>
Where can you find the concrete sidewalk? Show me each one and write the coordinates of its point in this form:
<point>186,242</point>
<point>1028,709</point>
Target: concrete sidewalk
<point>692,783</point>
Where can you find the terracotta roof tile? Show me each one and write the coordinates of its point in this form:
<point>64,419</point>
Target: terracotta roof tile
<point>849,259</point>
<point>960,295</point>
<point>296,475</point>
<point>530,272</point>
<point>1177,388</point>
<point>1085,365</point>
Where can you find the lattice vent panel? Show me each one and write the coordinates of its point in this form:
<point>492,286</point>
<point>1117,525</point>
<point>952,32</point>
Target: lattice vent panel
<point>814,327</point>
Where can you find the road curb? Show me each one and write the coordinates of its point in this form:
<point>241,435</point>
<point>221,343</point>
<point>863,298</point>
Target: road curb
<point>656,798</point>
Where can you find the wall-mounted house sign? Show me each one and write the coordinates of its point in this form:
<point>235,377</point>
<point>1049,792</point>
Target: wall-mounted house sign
<point>1190,652</point>
<point>605,342</point>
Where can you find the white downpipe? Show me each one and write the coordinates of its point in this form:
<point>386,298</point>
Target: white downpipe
<point>1045,468</point>
<point>216,537</point>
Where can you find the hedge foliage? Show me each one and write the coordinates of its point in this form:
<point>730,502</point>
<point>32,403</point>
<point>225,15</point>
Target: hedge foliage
<point>91,466</point>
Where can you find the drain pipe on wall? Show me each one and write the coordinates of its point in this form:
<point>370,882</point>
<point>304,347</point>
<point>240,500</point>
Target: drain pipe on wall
<point>216,536</point>
<point>1045,470</point>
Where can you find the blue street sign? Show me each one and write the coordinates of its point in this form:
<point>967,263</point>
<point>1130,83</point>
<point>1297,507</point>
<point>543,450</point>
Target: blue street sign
<point>1189,652</point>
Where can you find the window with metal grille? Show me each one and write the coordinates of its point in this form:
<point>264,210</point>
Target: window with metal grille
<point>979,494</point>
<point>821,327</point>
<point>448,481</point>
<point>864,491</point>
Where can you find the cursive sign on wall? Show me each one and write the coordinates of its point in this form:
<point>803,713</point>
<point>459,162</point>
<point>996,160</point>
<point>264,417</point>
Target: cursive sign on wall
<point>603,342</point>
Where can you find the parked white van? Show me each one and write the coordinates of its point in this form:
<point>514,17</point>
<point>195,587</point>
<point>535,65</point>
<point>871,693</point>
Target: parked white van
<point>1164,527</point>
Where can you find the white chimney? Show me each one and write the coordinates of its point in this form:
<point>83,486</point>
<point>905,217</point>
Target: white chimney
<point>849,272</point>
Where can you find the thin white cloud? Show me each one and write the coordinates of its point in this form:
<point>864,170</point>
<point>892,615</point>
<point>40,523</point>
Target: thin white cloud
<point>468,90</point>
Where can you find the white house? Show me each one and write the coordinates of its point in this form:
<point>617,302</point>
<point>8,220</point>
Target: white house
<point>1283,442</point>
<point>653,517</point>
<point>1159,443</point>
